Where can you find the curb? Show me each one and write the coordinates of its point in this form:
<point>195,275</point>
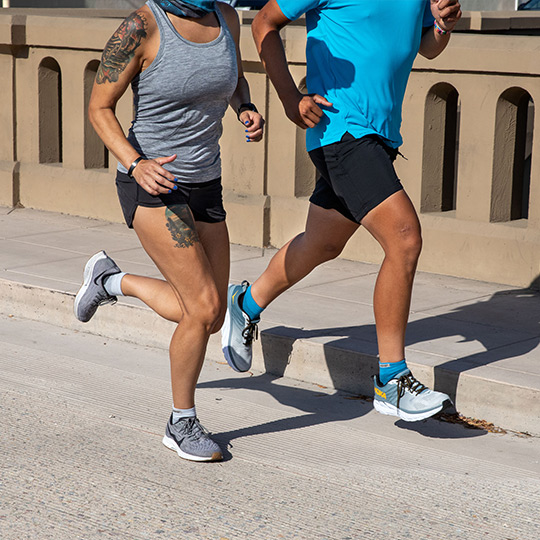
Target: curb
<point>279,352</point>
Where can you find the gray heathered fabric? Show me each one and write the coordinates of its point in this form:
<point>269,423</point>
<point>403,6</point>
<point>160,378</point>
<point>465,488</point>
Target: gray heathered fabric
<point>181,98</point>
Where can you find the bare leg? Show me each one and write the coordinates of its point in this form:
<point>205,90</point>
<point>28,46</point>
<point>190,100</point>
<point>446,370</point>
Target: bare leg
<point>170,237</point>
<point>155,293</point>
<point>327,232</point>
<point>159,295</point>
<point>215,241</point>
<point>394,224</point>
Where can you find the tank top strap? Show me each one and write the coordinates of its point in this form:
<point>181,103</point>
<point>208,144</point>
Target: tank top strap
<point>222,21</point>
<point>160,16</point>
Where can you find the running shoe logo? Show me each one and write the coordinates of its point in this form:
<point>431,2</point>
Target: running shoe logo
<point>380,393</point>
<point>232,299</point>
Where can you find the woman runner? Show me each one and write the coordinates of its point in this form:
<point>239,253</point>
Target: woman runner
<point>183,61</point>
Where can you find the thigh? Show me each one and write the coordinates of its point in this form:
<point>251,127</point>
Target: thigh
<point>392,220</point>
<point>215,241</point>
<point>327,228</point>
<point>170,237</point>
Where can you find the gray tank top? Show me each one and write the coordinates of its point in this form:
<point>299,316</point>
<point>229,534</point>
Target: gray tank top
<point>181,98</point>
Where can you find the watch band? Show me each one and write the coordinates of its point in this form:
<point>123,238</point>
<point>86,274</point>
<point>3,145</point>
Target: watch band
<point>133,165</point>
<point>245,107</point>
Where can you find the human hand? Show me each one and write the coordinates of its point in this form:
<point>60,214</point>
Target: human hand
<point>304,109</point>
<point>153,178</point>
<point>254,123</point>
<point>446,12</point>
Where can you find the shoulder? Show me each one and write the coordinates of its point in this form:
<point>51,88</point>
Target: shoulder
<point>231,16</point>
<point>140,23</point>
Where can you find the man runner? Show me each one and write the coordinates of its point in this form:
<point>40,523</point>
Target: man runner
<point>359,58</point>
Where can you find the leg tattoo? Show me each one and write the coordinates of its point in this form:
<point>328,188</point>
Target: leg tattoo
<point>181,225</point>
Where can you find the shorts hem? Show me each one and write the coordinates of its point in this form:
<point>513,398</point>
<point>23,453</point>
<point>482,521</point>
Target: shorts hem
<point>371,206</point>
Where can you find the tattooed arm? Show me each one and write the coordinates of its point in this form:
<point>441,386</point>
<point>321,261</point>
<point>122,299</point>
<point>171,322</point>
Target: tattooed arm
<point>130,50</point>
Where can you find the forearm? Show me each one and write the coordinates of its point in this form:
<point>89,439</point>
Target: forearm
<point>111,133</point>
<point>433,43</point>
<point>446,14</point>
<point>272,54</point>
<point>241,94</point>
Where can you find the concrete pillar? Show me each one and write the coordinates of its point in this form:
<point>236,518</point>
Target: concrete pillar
<point>27,106</point>
<point>476,145</point>
<point>534,194</point>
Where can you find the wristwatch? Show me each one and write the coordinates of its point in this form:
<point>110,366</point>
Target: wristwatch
<point>245,107</point>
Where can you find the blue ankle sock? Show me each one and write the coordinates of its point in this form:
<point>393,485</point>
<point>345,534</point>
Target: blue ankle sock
<point>250,307</point>
<point>389,370</point>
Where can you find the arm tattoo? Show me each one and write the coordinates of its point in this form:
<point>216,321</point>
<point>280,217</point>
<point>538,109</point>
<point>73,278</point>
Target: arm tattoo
<point>120,49</point>
<point>181,225</point>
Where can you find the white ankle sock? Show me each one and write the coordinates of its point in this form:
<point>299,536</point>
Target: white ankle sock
<point>182,413</point>
<point>112,284</point>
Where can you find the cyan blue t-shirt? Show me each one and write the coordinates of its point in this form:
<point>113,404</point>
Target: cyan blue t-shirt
<point>359,57</point>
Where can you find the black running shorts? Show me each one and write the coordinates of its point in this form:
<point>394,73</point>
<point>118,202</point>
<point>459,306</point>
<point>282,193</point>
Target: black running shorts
<point>356,175</point>
<point>205,200</point>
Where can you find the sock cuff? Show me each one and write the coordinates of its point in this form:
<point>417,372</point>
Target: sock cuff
<point>183,413</point>
<point>388,370</point>
<point>392,364</point>
<point>113,284</point>
<point>250,306</point>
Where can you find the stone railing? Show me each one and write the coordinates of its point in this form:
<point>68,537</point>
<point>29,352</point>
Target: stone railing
<point>472,168</point>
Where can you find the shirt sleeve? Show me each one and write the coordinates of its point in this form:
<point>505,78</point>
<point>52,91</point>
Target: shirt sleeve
<point>428,17</point>
<point>292,9</point>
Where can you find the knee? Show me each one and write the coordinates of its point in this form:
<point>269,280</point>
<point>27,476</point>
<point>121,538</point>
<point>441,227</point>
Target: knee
<point>330,250</point>
<point>406,245</point>
<point>207,312</point>
<point>409,243</point>
<point>219,321</point>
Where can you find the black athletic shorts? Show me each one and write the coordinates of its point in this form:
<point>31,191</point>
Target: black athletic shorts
<point>205,200</point>
<point>356,175</point>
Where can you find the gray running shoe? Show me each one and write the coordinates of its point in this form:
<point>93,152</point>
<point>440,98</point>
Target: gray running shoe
<point>238,331</point>
<point>405,397</point>
<point>190,440</point>
<point>92,294</point>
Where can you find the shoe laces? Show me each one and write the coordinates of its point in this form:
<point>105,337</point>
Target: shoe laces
<point>108,299</point>
<point>250,332</point>
<point>194,430</point>
<point>409,382</point>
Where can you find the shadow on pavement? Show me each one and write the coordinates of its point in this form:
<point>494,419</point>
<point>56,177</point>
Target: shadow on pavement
<point>517,310</point>
<point>318,408</point>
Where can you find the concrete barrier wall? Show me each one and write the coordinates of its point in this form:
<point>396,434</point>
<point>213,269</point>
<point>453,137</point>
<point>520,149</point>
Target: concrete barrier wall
<point>472,167</point>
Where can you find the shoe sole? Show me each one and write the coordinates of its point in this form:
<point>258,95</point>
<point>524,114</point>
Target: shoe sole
<point>88,270</point>
<point>225,345</point>
<point>171,445</point>
<point>391,410</point>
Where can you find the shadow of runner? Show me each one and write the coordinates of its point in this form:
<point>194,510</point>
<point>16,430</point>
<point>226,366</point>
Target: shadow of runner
<point>507,325</point>
<point>516,310</point>
<point>318,408</point>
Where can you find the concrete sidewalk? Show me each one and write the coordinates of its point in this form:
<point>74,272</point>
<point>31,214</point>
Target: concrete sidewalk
<point>82,418</point>
<point>479,342</point>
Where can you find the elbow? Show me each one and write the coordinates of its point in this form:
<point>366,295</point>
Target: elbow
<point>256,28</point>
<point>429,55</point>
<point>261,27</point>
<point>92,115</point>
